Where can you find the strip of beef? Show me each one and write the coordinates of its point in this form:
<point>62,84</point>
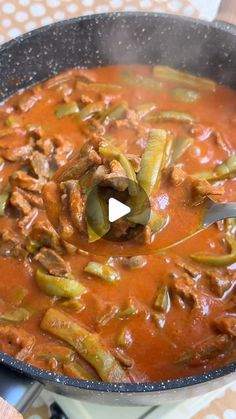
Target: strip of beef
<point>46,146</point>
<point>33,198</point>
<point>28,101</point>
<point>177,175</point>
<point>184,287</point>
<point>219,283</point>
<point>75,203</point>
<point>135,160</point>
<point>52,262</point>
<point>24,181</point>
<point>16,154</point>
<point>188,268</point>
<point>77,167</point>
<point>16,341</point>
<point>117,178</point>
<point>39,165</point>
<point>65,227</point>
<point>100,173</point>
<point>227,325</point>
<point>202,188</point>
<point>10,244</point>
<point>44,233</point>
<point>18,201</point>
<point>26,222</point>
<point>63,153</point>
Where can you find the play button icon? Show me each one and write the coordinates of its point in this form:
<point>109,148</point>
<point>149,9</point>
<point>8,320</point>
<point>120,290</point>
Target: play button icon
<point>117,210</point>
<point>113,214</point>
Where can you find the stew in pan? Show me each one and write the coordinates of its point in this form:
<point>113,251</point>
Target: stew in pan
<point>95,315</point>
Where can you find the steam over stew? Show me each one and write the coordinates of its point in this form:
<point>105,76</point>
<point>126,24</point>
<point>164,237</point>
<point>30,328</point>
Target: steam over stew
<point>117,318</point>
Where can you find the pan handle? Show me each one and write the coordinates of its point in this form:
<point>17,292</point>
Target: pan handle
<point>227,11</point>
<point>18,390</point>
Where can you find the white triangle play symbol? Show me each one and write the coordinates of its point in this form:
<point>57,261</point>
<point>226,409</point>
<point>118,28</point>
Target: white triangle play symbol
<point>117,209</point>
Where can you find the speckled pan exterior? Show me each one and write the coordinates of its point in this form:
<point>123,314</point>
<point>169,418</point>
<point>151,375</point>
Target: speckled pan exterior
<point>207,49</point>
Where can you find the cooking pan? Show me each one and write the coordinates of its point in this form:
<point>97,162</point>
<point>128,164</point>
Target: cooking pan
<point>206,49</point>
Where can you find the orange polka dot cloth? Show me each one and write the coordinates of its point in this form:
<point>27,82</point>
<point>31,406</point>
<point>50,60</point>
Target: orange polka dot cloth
<point>19,16</point>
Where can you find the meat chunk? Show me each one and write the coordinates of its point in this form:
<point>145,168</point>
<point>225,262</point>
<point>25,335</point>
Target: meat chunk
<point>52,262</point>
<point>116,179</point>
<point>202,188</point>
<point>184,287</point>
<point>63,153</point>
<point>135,262</point>
<point>33,198</point>
<point>188,268</point>
<point>10,244</point>
<point>26,222</point>
<point>46,146</point>
<point>16,154</point>
<point>18,201</point>
<point>24,181</point>
<point>135,160</point>
<point>77,167</point>
<point>44,233</point>
<point>100,173</point>
<point>227,325</point>
<point>39,165</point>
<point>75,203</point>
<point>16,341</point>
<point>219,283</point>
<point>27,102</point>
<point>85,99</point>
<point>145,237</point>
<point>177,175</point>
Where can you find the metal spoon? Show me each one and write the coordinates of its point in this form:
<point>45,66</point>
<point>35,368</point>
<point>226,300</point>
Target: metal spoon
<point>216,212</point>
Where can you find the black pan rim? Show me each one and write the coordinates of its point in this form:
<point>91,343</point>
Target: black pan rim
<point>45,376</point>
<point>227,27</point>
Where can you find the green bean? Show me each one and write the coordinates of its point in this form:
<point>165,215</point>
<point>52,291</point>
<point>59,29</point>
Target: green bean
<point>180,145</point>
<point>169,116</point>
<point>88,345</point>
<point>90,110</point>
<point>58,286</point>
<point>66,109</point>
<point>162,300</point>
<point>231,226</point>
<point>16,315</point>
<point>165,73</point>
<point>130,311</point>
<point>73,304</point>
<point>185,95</point>
<point>227,167</point>
<point>75,370</point>
<point>222,171</point>
<point>3,202</point>
<point>153,160</point>
<point>100,87</point>
<point>144,109</point>
<point>218,260</point>
<point>19,295</point>
<point>108,151</point>
<point>13,121</point>
<point>60,353</point>
<point>140,81</point>
<point>102,271</point>
<point>157,222</point>
<point>159,319</point>
<point>32,246</point>
<point>97,216</point>
<point>115,112</point>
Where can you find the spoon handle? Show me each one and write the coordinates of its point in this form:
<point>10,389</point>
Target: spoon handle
<point>216,212</point>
